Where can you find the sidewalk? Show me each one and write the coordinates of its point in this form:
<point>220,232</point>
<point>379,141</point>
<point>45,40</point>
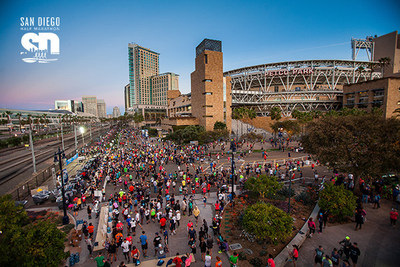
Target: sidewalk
<point>378,241</point>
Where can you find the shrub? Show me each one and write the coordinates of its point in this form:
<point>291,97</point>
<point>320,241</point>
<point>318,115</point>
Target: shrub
<point>242,256</point>
<point>286,192</point>
<point>256,261</point>
<point>266,221</point>
<point>266,186</point>
<point>338,201</point>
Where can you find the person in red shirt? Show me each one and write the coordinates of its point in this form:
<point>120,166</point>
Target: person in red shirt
<point>90,229</point>
<point>294,254</point>
<point>177,260</point>
<point>163,222</point>
<point>393,217</point>
<point>270,261</point>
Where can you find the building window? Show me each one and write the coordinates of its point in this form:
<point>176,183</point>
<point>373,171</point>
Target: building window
<point>208,106</point>
<point>207,116</point>
<point>205,58</point>
<point>207,93</point>
<point>207,80</point>
<point>276,89</point>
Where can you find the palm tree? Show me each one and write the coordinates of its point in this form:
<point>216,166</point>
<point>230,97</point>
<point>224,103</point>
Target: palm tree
<point>383,63</point>
<point>8,114</point>
<point>19,120</point>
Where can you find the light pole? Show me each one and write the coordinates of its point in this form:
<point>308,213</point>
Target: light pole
<point>82,130</point>
<point>290,186</point>
<point>33,151</point>
<point>233,148</point>
<point>76,140</point>
<point>57,157</point>
<point>62,136</point>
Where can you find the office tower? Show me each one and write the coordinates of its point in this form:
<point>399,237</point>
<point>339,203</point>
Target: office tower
<point>101,109</point>
<point>90,104</point>
<point>65,105</point>
<point>116,112</point>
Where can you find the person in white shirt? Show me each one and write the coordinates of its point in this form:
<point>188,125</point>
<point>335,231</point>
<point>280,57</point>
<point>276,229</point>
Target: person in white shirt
<point>125,250</point>
<point>207,262</point>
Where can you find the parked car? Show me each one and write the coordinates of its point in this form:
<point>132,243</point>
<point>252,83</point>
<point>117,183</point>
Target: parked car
<point>41,197</point>
<point>21,203</point>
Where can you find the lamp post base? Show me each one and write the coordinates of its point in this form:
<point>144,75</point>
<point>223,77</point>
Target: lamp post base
<point>65,220</point>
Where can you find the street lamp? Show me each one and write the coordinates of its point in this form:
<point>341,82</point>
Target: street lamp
<point>58,156</point>
<point>82,130</point>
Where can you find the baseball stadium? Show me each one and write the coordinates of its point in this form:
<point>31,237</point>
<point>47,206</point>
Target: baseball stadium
<point>305,85</point>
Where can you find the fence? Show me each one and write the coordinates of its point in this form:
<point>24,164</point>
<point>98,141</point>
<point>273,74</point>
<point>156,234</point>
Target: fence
<point>24,190</point>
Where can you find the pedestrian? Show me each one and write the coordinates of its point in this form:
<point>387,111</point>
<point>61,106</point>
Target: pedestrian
<point>294,254</point>
<point>89,212</point>
<point>196,213</point>
<point>319,254</point>
<point>157,243</point>
<point>359,218</point>
<point>270,261</point>
<point>91,230</point>
<point>203,248</point>
<point>354,253</point>
<point>219,262</point>
<point>125,250</point>
<point>112,250</point>
<point>192,245</point>
<point>320,222</point>
<point>144,243</point>
<point>234,259</point>
<point>89,246</point>
<point>99,260</point>
<point>326,261</point>
<point>377,200</point>
<point>311,227</point>
<point>122,264</point>
<point>207,262</point>
<point>177,260</point>
<point>335,257</point>
<point>135,254</point>
<point>393,217</point>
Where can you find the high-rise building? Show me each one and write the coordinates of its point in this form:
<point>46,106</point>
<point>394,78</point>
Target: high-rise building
<point>388,46</point>
<point>127,96</point>
<point>65,105</point>
<point>116,112</point>
<point>143,64</point>
<point>101,109</point>
<point>160,85</point>
<point>90,104</point>
<point>211,91</point>
<point>78,106</point>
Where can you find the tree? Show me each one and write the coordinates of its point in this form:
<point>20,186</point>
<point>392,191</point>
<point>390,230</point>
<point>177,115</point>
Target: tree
<point>290,126</point>
<point>27,244</point>
<point>338,201</point>
<point>364,145</point>
<point>266,221</point>
<point>19,120</point>
<point>275,113</point>
<point>265,186</point>
<point>218,125</point>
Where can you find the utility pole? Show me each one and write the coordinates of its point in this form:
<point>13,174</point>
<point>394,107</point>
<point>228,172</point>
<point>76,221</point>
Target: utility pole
<point>33,151</point>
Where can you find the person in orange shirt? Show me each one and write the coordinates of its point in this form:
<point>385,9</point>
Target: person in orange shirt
<point>91,229</point>
<point>118,238</point>
<point>219,262</point>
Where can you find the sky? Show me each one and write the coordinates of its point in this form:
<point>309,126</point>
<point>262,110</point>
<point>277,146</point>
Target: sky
<point>94,37</point>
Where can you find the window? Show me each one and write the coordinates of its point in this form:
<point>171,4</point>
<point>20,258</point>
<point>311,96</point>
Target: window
<point>205,58</point>
<point>207,80</point>
<point>207,93</point>
<point>207,116</point>
<point>208,106</point>
<point>276,89</point>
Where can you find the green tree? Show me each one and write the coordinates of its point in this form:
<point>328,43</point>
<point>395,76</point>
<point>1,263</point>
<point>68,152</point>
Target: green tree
<point>275,113</point>
<point>265,186</point>
<point>338,201</point>
<point>364,145</point>
<point>218,125</point>
<point>27,244</point>
<point>267,222</point>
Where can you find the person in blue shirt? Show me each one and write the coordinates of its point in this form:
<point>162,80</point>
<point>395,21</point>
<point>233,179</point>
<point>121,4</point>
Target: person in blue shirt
<point>143,242</point>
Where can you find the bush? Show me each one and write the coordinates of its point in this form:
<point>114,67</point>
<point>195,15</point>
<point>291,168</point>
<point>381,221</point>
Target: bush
<point>338,201</point>
<point>67,228</point>
<point>242,256</point>
<point>286,192</point>
<point>256,261</point>
<point>266,221</point>
<point>305,198</point>
<point>266,186</point>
